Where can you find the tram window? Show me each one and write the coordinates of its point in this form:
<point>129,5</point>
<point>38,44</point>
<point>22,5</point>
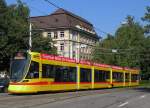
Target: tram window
<point>65,74</point>
<point>118,76</point>
<point>48,71</point>
<point>101,75</point>
<point>85,75</point>
<point>33,70</point>
<point>134,77</point>
<point>127,77</point>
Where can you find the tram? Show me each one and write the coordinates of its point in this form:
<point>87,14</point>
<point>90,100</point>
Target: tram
<point>33,72</point>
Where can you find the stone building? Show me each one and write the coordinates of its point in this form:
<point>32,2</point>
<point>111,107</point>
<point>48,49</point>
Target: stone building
<point>73,36</point>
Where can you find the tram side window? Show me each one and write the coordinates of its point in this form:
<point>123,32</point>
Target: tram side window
<point>48,71</point>
<point>33,70</point>
<point>100,75</point>
<point>65,74</point>
<point>127,77</point>
<point>118,76</point>
<point>85,75</point>
<point>134,77</point>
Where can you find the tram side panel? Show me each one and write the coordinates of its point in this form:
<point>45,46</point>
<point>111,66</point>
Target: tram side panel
<point>101,78</point>
<point>85,74</point>
<point>63,75</point>
<point>134,79</point>
<point>117,77</point>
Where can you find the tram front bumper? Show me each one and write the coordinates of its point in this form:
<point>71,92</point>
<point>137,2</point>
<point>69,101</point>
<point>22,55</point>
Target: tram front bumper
<point>17,89</point>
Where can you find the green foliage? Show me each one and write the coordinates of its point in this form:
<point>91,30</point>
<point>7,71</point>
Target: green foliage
<point>14,32</point>
<point>130,37</point>
<point>43,44</point>
<point>124,48</point>
<point>145,83</point>
<point>131,44</point>
<point>145,59</point>
<point>102,52</point>
<point>14,29</point>
<point>146,18</point>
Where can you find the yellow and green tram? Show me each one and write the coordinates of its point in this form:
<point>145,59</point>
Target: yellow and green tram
<point>33,72</point>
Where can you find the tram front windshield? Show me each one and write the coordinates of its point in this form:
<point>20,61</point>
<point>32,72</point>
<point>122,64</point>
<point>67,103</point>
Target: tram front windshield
<point>18,67</point>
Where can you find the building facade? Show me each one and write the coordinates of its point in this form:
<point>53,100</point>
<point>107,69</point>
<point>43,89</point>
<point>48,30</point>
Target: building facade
<point>73,36</point>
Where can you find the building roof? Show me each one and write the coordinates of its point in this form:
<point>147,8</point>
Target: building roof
<point>61,19</point>
<point>62,11</point>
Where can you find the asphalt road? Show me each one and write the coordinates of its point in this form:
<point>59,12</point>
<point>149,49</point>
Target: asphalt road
<point>105,98</point>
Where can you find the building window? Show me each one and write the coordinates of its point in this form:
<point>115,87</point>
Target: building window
<point>55,35</point>
<point>62,46</point>
<point>56,20</point>
<point>49,34</point>
<point>82,49</point>
<point>74,35</point>
<point>74,54</point>
<point>86,40</point>
<point>62,34</point>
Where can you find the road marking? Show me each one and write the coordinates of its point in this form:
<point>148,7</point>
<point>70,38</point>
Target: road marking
<point>123,104</point>
<point>143,96</point>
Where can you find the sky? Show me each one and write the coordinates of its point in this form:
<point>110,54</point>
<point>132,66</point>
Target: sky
<point>105,15</point>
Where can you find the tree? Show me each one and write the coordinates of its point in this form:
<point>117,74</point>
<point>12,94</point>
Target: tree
<point>3,31</point>
<point>123,49</point>
<point>103,51</point>
<point>146,18</point>
<point>3,28</point>
<point>14,29</point>
<point>43,44</point>
<point>145,61</point>
<point>130,37</point>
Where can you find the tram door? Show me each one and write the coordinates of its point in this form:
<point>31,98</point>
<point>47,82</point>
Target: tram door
<point>60,74</point>
<point>67,76</point>
<point>85,78</point>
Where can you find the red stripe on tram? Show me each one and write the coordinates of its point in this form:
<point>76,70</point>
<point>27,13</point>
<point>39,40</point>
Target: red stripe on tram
<point>118,82</point>
<point>101,82</point>
<point>63,82</point>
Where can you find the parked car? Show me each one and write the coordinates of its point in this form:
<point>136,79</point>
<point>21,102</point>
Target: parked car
<point>4,82</point>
